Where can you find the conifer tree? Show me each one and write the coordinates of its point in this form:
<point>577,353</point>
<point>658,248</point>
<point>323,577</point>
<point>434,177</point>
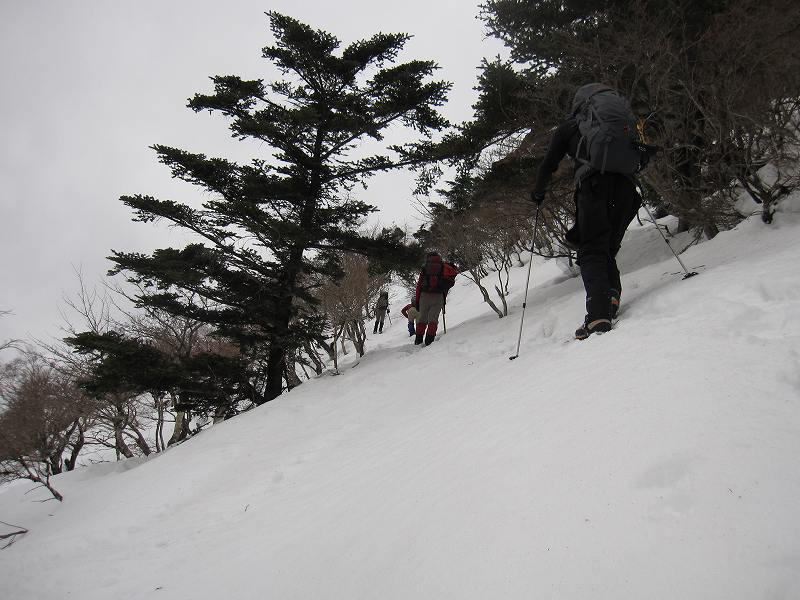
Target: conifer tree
<point>272,227</point>
<point>208,382</point>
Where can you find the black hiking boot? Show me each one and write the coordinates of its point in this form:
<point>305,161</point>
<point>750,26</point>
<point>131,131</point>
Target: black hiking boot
<point>614,296</point>
<point>418,339</point>
<point>590,327</point>
<point>429,339</point>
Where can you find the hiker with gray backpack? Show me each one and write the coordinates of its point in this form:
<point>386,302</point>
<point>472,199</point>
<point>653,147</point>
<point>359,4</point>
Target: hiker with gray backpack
<point>434,282</point>
<point>381,309</point>
<point>600,134</point>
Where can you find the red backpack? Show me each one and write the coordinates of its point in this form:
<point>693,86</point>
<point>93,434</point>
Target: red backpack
<point>437,275</point>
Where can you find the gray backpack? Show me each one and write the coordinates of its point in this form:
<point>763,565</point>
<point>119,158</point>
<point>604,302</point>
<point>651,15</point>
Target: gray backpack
<point>383,300</point>
<point>608,132</point>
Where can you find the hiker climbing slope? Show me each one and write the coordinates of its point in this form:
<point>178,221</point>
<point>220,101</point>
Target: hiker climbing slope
<point>434,282</point>
<point>381,308</point>
<point>600,134</point>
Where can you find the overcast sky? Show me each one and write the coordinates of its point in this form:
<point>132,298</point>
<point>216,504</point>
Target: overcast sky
<point>89,85</point>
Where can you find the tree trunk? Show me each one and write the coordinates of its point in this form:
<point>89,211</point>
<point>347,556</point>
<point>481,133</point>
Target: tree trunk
<point>140,441</point>
<point>354,331</point>
<point>363,332</point>
<point>292,380</point>
<point>119,441</point>
<point>77,446</point>
<point>305,371</point>
<point>55,464</point>
<point>312,355</point>
<point>45,482</point>
<point>276,362</point>
<point>181,429</point>
<point>502,299</point>
<point>336,333</point>
<point>160,405</point>
<point>53,490</point>
<point>329,348</point>
<point>476,280</point>
<point>711,230</point>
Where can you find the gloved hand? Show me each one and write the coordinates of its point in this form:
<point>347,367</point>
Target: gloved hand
<point>537,197</point>
<point>646,152</point>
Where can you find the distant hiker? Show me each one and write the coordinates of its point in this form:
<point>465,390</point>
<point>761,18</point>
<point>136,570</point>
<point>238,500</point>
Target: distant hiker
<point>435,280</point>
<point>412,314</point>
<point>600,134</point>
<point>381,308</point>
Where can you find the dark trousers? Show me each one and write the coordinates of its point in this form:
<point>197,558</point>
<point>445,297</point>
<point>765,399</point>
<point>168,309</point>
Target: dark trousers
<point>380,314</point>
<point>607,203</point>
<point>430,305</point>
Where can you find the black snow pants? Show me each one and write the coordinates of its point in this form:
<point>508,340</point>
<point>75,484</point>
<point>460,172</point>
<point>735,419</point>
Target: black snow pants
<point>380,315</point>
<point>606,203</point>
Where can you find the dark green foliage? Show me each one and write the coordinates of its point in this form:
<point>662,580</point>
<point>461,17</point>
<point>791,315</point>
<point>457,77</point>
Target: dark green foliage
<point>532,30</point>
<point>500,111</point>
<point>205,382</point>
<point>543,34</point>
<point>122,364</point>
<point>274,228</point>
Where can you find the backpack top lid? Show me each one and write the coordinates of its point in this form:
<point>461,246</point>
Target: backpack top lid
<point>584,93</point>
<point>437,275</point>
<point>433,258</point>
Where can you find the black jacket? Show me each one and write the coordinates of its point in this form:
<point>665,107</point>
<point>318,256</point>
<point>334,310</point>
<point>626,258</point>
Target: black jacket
<point>565,141</point>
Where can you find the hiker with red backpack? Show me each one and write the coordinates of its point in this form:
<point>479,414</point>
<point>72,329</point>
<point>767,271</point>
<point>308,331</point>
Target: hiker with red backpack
<point>434,282</point>
<point>601,136</point>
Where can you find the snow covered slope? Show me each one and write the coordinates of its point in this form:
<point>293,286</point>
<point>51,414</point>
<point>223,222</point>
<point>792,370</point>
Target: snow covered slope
<point>658,461</point>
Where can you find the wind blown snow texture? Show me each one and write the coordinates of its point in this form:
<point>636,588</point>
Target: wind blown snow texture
<point>657,461</point>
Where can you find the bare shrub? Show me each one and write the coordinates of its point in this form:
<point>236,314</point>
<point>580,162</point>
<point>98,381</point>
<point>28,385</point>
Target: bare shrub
<point>42,416</point>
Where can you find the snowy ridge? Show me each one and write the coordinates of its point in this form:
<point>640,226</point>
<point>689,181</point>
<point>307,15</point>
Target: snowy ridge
<point>659,460</point>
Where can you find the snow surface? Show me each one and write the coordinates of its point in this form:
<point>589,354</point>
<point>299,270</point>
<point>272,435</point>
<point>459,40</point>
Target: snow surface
<point>658,461</point>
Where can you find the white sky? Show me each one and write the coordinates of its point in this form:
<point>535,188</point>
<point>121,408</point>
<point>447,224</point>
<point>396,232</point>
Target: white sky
<point>89,85</point>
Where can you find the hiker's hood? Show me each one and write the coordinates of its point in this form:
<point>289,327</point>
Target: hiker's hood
<point>584,92</point>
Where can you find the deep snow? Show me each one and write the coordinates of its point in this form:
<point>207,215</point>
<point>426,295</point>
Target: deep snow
<point>658,461</point>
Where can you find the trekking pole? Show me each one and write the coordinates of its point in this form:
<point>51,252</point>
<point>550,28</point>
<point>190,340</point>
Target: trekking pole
<point>388,314</point>
<point>527,282</point>
<point>444,318</point>
<point>675,254</point>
